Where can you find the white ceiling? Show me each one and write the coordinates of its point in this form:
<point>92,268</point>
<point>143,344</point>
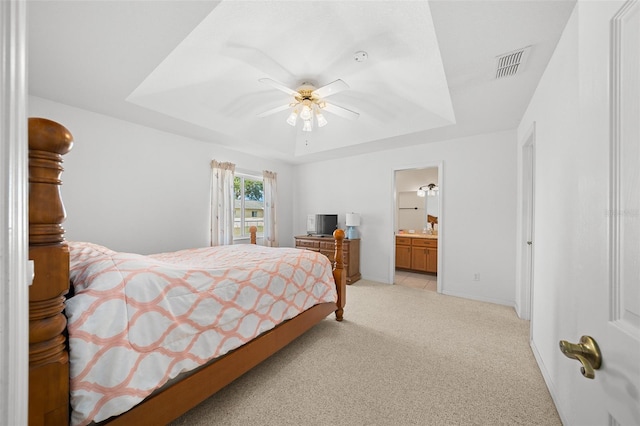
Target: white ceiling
<point>192,67</point>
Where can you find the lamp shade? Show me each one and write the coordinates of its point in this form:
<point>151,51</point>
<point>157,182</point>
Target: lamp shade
<point>353,219</point>
<point>321,120</point>
<point>293,117</point>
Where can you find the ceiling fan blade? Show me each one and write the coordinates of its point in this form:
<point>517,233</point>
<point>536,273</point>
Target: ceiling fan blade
<point>258,59</point>
<point>330,89</point>
<point>340,111</point>
<point>274,110</point>
<point>279,86</point>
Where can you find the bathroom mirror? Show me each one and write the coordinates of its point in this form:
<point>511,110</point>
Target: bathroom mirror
<point>413,210</point>
<point>433,208</point>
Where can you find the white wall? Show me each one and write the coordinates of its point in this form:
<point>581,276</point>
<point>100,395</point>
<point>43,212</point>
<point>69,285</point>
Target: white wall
<point>554,109</point>
<point>134,188</point>
<point>477,219</point>
<point>570,112</point>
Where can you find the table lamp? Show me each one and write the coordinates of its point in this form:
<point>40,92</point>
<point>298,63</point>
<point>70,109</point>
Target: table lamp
<point>352,222</point>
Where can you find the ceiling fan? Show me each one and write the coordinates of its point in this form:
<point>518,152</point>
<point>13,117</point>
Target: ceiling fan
<point>309,101</point>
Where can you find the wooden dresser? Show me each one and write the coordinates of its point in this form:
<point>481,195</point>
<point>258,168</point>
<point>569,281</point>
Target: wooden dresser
<point>326,246</point>
<point>417,253</point>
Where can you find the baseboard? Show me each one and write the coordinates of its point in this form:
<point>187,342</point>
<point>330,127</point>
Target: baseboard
<point>547,379</point>
<point>480,299</point>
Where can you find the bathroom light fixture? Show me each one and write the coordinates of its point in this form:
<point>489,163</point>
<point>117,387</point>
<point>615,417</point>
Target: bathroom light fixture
<point>432,189</point>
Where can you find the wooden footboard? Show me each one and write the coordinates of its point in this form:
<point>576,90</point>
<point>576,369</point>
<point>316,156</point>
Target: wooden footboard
<point>48,353</point>
<point>48,356</point>
<point>339,274</point>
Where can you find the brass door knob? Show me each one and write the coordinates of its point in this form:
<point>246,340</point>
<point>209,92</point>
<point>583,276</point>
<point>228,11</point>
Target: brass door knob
<point>587,352</point>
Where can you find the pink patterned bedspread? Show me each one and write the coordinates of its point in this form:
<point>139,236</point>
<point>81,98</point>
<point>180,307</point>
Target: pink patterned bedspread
<point>137,321</point>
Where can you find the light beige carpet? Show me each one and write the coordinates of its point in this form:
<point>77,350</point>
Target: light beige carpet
<point>402,356</point>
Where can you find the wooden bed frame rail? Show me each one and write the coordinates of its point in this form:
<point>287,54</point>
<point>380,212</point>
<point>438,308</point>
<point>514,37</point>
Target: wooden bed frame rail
<point>48,353</point>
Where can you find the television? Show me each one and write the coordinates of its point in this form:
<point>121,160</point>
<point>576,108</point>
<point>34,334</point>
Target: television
<point>322,224</point>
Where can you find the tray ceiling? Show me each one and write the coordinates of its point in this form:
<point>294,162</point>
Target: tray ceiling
<point>192,67</point>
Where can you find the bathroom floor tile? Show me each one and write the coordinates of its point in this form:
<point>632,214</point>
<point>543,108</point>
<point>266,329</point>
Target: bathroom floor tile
<point>416,280</point>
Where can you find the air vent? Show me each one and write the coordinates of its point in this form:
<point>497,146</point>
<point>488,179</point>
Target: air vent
<point>511,63</point>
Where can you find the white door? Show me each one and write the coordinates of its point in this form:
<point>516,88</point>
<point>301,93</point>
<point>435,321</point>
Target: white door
<point>610,311</point>
<point>621,361</point>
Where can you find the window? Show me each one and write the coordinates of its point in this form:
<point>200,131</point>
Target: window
<point>248,205</point>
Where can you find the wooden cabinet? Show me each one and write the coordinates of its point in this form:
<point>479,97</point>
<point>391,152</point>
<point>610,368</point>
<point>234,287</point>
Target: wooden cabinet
<point>403,252</point>
<point>424,255</point>
<point>417,254</point>
<point>432,259</point>
<point>326,246</point>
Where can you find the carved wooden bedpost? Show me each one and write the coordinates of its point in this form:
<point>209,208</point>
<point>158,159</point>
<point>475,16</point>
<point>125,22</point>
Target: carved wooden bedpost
<point>339,274</point>
<point>48,357</point>
<point>253,231</point>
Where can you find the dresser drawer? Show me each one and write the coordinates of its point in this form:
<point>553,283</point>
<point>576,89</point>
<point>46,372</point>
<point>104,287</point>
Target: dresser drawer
<point>331,246</point>
<point>308,244</point>
<point>424,242</point>
<point>326,246</point>
<point>330,255</point>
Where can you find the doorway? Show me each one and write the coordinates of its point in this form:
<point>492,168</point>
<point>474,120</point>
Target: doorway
<point>417,248</point>
<point>524,296</point>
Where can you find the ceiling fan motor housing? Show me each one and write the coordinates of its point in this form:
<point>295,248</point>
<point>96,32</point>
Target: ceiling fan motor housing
<point>306,90</point>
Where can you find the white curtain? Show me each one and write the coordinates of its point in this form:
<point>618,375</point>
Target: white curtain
<point>270,196</point>
<point>222,200</point>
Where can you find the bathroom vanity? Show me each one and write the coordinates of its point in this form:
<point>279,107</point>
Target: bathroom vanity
<point>417,252</point>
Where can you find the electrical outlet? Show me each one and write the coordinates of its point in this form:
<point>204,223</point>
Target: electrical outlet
<point>476,276</point>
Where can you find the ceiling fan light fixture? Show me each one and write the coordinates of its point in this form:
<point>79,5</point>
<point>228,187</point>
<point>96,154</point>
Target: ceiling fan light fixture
<point>321,120</point>
<point>308,101</point>
<point>293,118</point>
<point>305,114</point>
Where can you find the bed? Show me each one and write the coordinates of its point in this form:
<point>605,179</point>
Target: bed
<point>49,337</point>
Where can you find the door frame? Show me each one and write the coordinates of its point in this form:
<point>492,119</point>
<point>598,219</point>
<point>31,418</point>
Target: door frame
<point>14,244</point>
<point>394,214</point>
<point>525,251</point>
